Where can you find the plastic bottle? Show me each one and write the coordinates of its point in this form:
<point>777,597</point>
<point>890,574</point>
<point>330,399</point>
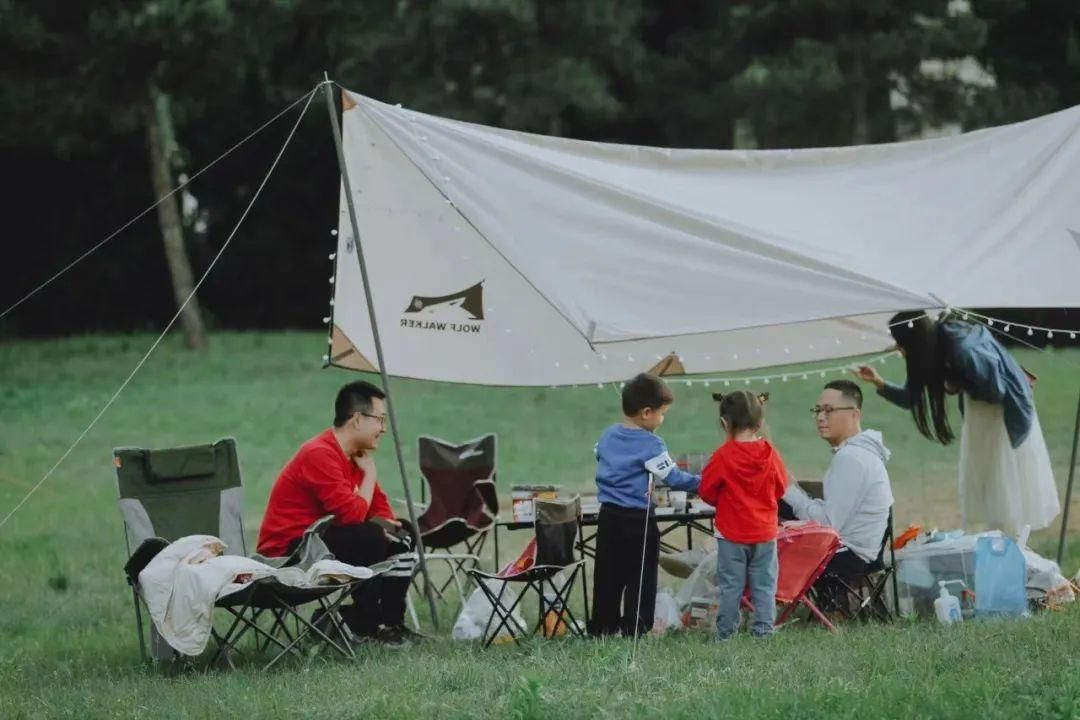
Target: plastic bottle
<point>947,606</point>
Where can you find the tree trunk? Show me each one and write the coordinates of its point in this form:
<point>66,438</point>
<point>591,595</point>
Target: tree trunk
<point>161,144</point>
<point>860,96</point>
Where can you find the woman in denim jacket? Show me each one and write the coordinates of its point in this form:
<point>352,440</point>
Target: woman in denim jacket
<point>1006,480</point>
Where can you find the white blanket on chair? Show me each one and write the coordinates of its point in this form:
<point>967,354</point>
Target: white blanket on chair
<point>183,582</point>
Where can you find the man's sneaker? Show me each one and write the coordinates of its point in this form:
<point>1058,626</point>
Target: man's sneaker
<point>412,635</point>
<point>391,637</point>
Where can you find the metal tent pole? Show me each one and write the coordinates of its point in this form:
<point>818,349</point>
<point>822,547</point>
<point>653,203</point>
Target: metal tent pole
<point>1069,487</point>
<point>327,85</point>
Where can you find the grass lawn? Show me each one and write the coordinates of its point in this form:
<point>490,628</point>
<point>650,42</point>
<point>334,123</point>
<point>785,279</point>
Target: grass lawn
<point>67,644</point>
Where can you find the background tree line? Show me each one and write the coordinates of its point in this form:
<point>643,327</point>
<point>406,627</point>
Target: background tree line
<point>105,104</point>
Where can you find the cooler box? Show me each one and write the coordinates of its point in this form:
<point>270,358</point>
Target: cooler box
<point>920,567</point>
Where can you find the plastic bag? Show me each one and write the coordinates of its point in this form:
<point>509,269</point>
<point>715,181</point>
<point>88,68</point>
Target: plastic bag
<point>474,616</point>
<point>1044,578</point>
<point>666,616</point>
<point>702,583</point>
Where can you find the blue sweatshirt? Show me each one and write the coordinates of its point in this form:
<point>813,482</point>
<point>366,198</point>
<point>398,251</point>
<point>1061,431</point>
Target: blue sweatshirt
<point>625,457</point>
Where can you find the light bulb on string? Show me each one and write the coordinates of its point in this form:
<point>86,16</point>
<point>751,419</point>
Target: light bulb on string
<point>1008,327</point>
<point>1030,332</point>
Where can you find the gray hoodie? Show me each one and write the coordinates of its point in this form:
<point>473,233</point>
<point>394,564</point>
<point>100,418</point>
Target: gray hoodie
<point>857,495</point>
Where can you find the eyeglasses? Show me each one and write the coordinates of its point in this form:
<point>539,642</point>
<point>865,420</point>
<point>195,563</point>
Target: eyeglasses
<point>380,418</point>
<point>829,410</point>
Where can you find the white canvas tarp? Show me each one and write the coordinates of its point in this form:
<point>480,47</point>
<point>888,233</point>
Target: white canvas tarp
<point>505,258</point>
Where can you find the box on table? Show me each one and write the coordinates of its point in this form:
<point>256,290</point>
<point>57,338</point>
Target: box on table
<point>522,497</point>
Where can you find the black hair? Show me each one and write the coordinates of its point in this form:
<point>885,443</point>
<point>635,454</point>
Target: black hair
<point>917,335</point>
<point>848,389</point>
<point>645,391</point>
<point>355,398</point>
<point>742,410</point>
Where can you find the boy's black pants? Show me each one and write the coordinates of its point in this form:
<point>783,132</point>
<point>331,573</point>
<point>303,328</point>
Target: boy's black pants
<point>620,534</point>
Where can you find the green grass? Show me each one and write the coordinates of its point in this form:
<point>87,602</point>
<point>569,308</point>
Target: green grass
<point>67,646</point>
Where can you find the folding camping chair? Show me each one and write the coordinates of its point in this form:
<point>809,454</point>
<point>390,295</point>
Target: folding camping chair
<point>463,504</point>
<point>864,593</point>
<point>803,552</point>
<point>557,528</point>
<point>198,490</point>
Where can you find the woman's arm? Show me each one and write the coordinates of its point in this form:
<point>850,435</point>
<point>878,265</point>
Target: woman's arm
<point>895,394</point>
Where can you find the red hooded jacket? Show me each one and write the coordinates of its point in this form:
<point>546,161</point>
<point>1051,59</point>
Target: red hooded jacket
<point>744,481</point>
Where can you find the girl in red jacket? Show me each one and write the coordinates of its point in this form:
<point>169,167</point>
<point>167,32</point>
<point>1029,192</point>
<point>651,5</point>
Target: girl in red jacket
<point>744,480</point>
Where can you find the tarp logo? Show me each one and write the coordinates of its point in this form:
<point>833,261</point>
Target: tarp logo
<point>449,313</point>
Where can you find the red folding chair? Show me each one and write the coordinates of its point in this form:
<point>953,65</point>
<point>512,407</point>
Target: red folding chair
<point>803,552</point>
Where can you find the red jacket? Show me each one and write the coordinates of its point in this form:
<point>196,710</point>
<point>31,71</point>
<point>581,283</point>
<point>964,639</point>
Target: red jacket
<point>319,480</point>
<point>744,481</point>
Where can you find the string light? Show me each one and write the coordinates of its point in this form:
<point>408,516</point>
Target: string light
<point>1030,330</point>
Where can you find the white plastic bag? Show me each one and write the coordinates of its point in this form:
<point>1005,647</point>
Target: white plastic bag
<point>666,616</point>
<point>1044,576</point>
<point>701,583</point>
<point>474,615</point>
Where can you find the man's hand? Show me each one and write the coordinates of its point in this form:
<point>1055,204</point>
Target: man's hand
<point>392,528</point>
<point>366,489</point>
<point>870,375</point>
<point>366,462</point>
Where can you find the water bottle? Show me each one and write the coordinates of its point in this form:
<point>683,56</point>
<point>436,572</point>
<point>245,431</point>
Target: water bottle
<point>1000,578</point>
<point>947,606</point>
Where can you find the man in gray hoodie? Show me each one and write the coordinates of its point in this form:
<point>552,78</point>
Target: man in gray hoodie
<point>856,490</point>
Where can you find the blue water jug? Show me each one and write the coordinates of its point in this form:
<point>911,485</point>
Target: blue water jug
<point>1000,575</point>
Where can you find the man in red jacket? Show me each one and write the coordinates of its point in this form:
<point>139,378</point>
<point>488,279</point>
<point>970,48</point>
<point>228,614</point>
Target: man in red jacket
<point>334,474</point>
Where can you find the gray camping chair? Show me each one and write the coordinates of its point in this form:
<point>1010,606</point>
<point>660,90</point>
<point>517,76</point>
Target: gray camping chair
<point>197,490</point>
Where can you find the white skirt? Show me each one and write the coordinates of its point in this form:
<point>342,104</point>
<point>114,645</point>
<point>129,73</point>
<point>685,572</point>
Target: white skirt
<point>1002,487</point>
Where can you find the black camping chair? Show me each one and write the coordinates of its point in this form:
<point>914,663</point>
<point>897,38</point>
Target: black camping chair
<point>463,505</point>
<point>863,595</point>
<point>558,528</point>
<point>197,490</point>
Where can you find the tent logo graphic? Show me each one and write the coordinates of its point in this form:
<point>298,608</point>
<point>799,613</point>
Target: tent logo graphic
<point>455,313</point>
<point>468,304</point>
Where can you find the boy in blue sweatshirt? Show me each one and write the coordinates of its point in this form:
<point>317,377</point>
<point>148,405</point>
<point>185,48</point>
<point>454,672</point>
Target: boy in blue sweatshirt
<point>629,458</point>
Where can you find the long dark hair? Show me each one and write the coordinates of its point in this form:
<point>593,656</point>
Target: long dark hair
<point>917,335</point>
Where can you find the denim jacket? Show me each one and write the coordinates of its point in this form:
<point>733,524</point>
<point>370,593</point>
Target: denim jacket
<point>977,364</point>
